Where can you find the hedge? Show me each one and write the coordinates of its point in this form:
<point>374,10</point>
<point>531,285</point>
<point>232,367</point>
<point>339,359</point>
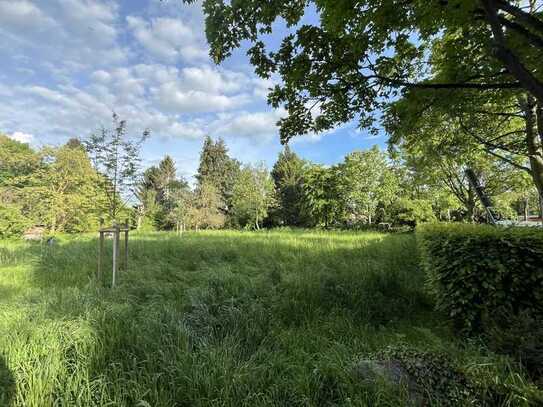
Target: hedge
<point>475,271</point>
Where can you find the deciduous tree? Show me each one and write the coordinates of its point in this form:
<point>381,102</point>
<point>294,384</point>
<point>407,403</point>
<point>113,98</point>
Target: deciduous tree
<point>116,156</point>
<point>253,194</point>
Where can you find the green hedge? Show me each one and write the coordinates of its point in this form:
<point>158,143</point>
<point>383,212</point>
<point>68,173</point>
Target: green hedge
<point>474,271</point>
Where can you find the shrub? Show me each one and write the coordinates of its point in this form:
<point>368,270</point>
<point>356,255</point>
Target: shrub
<point>475,270</point>
<point>12,223</point>
<point>433,377</point>
<point>412,212</point>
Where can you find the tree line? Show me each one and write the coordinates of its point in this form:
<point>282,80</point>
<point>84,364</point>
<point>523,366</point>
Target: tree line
<point>447,76</point>
<point>69,188</point>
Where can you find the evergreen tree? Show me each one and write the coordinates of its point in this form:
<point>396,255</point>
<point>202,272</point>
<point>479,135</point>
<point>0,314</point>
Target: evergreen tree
<point>150,179</point>
<point>162,186</point>
<point>167,176</point>
<point>287,174</point>
<point>217,168</point>
<point>75,143</point>
<point>204,211</point>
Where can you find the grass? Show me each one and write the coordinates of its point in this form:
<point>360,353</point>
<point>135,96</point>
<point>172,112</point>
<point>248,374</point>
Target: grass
<point>222,319</point>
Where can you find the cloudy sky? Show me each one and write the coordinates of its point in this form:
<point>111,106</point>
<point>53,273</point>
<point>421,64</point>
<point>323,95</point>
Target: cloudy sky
<point>67,64</point>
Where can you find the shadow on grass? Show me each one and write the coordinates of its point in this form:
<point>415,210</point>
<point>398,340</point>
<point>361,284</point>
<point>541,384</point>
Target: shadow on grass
<point>7,385</point>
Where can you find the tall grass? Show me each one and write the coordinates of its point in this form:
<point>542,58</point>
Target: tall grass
<point>216,318</point>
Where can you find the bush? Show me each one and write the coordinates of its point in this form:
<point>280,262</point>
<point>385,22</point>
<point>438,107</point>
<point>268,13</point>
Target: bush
<point>433,377</point>
<point>12,223</point>
<point>475,270</point>
<point>412,212</point>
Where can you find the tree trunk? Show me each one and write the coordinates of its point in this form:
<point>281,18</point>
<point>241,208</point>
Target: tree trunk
<point>470,205</point>
<point>140,219</point>
<point>526,210</point>
<point>533,142</point>
<point>506,56</point>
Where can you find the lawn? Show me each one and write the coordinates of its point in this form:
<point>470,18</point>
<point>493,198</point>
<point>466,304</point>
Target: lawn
<point>221,318</point>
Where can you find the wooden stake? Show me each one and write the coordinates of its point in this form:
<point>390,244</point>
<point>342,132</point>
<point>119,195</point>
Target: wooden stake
<point>100,250</point>
<point>116,234</point>
<point>100,255</point>
<point>126,246</point>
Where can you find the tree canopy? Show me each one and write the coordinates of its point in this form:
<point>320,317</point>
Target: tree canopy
<point>359,55</point>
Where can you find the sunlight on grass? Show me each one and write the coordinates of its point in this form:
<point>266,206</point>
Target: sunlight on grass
<point>212,318</point>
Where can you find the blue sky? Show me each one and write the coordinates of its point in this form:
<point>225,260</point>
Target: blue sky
<point>67,64</point>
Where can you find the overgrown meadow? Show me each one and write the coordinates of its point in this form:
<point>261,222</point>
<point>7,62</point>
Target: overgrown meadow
<point>225,319</point>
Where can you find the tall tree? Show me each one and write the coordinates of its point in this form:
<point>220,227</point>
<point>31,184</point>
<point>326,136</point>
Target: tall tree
<point>500,123</point>
<point>366,181</point>
<point>18,161</point>
<point>183,211</point>
<point>64,193</point>
<point>322,195</point>
<point>116,157</point>
<point>438,161</point>
<point>158,193</point>
<point>167,177</point>
<point>218,169</point>
<point>253,194</point>
<point>287,174</point>
<point>204,211</point>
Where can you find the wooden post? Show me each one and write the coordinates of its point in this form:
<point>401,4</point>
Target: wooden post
<point>100,255</point>
<point>100,251</point>
<point>126,245</point>
<point>115,253</point>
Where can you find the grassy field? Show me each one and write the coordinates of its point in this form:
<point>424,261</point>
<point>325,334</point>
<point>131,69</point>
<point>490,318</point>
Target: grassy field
<point>221,318</point>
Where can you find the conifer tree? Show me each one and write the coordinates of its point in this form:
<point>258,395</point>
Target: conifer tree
<point>217,168</point>
<point>287,174</point>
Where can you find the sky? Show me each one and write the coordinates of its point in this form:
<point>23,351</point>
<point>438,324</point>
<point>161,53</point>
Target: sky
<point>68,64</point>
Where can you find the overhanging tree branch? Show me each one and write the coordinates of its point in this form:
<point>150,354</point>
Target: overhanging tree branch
<point>505,55</point>
<point>460,85</point>
<point>490,149</point>
<point>522,15</point>
<point>532,38</point>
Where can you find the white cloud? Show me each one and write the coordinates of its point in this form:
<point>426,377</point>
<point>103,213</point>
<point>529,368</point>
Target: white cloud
<point>24,14</point>
<point>21,137</point>
<point>209,79</point>
<point>64,36</point>
<point>168,39</point>
<point>152,69</point>
<point>260,126</point>
<point>101,76</point>
<point>171,98</point>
